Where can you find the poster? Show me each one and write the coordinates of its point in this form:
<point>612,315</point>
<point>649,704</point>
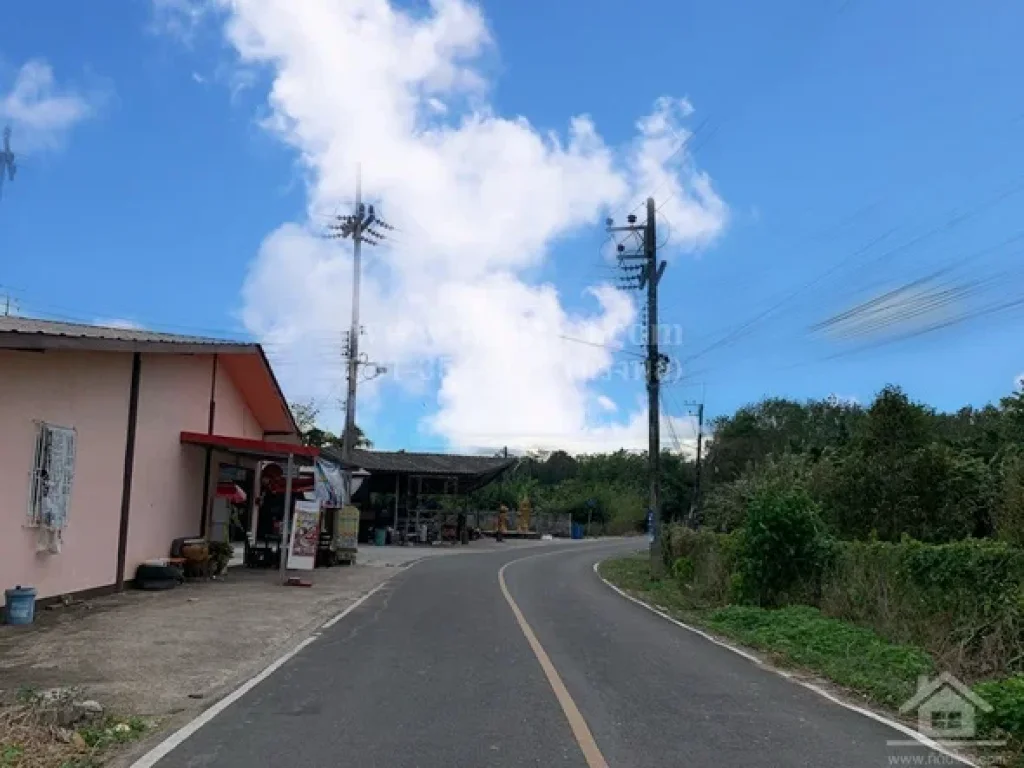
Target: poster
<point>346,529</point>
<point>305,536</point>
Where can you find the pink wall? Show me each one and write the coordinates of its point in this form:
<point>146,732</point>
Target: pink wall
<point>167,489</point>
<point>88,391</point>
<point>167,492</point>
<point>233,416</point>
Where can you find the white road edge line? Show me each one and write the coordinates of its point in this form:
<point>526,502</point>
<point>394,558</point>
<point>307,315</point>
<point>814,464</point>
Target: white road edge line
<point>175,740</point>
<point>920,738</point>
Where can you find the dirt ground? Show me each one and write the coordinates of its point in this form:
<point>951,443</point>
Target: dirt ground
<point>163,653</point>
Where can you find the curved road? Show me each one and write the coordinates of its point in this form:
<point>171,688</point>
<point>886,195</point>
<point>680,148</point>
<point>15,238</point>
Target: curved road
<point>435,671</point>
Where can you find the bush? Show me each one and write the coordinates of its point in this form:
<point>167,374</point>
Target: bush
<point>726,505</point>
<point>683,570</point>
<point>782,548</point>
<point>962,601</point>
<point>713,557</point>
<point>1006,697</point>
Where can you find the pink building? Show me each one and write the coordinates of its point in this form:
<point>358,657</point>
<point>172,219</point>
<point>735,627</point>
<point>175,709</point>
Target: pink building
<point>112,442</point>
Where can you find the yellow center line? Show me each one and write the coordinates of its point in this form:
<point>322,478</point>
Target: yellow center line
<point>578,725</point>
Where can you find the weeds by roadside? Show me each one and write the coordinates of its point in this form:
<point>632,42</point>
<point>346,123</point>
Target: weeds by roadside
<point>43,730</point>
<point>797,636</point>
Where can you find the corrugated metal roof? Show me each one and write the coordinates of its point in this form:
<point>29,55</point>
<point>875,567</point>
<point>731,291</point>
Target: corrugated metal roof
<point>34,328</point>
<point>404,462</point>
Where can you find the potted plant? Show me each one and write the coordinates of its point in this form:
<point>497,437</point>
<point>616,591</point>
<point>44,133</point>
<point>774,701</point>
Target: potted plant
<point>220,555</point>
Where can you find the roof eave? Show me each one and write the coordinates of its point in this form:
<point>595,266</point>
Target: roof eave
<point>40,342</point>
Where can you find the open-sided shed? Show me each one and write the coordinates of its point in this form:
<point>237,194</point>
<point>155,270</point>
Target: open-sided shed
<point>404,488</point>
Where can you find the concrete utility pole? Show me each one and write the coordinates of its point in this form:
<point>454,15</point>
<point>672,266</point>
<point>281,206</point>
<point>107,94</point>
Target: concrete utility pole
<point>700,445</point>
<point>7,166</point>
<point>360,227</point>
<point>352,352</point>
<point>695,500</point>
<point>647,275</point>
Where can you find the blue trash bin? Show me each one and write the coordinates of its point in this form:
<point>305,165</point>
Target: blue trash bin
<point>577,530</point>
<point>21,605</point>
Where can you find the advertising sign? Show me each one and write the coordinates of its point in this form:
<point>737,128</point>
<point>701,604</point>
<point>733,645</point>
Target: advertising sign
<point>305,536</point>
<point>346,529</point>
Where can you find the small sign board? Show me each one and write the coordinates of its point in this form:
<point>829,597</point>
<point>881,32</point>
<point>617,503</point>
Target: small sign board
<point>305,536</point>
<point>346,529</point>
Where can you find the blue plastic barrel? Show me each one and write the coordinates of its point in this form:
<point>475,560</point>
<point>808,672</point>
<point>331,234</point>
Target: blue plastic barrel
<point>21,605</point>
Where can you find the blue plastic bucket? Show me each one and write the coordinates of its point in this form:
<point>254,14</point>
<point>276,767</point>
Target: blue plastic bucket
<point>21,605</point>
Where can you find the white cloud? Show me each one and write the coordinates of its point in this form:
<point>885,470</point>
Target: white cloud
<point>479,199</point>
<point>40,112</point>
<point>180,18</point>
<point>607,404</point>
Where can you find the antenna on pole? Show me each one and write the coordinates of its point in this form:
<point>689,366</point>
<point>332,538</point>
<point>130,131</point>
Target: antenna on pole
<point>7,165</point>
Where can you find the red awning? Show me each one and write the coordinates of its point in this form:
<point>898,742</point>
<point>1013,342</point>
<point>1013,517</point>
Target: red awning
<point>259,448</point>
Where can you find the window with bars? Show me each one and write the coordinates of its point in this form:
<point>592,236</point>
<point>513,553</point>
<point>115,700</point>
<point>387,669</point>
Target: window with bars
<point>53,471</point>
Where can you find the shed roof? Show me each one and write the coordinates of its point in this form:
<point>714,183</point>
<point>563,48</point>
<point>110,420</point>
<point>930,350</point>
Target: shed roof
<point>33,333</point>
<point>405,462</point>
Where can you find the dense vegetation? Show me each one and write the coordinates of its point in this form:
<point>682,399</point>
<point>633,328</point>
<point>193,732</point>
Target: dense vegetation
<point>608,490</point>
<point>868,544</point>
<point>896,468</point>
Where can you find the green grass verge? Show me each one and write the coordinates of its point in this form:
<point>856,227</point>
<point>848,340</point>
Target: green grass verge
<point>798,636</point>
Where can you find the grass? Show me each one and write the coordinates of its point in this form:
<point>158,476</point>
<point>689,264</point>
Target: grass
<point>29,737</point>
<point>798,636</point>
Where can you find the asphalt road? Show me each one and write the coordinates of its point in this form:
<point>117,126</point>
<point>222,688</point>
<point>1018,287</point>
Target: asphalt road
<point>434,671</point>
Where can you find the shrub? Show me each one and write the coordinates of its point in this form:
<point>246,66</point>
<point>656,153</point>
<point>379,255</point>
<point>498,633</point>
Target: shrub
<point>1006,697</point>
<point>683,570</point>
<point>713,557</point>
<point>782,548</point>
<point>962,601</point>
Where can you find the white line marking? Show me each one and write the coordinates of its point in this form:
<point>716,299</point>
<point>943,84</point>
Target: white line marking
<point>175,740</point>
<point>919,738</point>
<point>332,621</point>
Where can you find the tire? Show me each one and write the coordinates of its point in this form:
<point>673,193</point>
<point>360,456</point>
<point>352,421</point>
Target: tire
<point>156,577</point>
<point>157,585</point>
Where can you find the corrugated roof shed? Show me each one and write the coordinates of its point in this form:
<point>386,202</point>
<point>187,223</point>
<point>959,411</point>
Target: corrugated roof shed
<point>406,462</point>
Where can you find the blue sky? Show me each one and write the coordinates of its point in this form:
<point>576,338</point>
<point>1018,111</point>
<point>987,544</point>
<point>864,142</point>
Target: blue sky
<point>823,127</point>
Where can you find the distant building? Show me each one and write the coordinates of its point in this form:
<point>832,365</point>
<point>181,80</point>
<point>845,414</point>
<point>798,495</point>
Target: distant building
<point>113,442</point>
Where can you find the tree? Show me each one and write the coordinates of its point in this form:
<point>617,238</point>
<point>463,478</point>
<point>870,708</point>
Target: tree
<point>307,416</point>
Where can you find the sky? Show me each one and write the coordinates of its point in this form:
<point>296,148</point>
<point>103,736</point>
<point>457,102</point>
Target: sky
<point>838,188</point>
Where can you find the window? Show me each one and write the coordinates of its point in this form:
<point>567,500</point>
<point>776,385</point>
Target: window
<point>947,721</point>
<point>52,474</point>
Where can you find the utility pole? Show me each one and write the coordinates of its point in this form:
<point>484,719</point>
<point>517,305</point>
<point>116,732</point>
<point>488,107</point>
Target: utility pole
<point>7,166</point>
<point>698,465</point>
<point>647,274</point>
<point>359,226</point>
<point>695,499</point>
<point>352,348</point>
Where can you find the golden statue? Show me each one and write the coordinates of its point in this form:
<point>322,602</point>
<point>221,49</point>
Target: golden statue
<point>523,521</point>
